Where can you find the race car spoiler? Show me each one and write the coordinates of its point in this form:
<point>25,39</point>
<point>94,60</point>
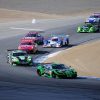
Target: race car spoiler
<point>59,35</point>
<point>92,23</point>
<point>8,50</point>
<point>36,31</point>
<point>11,49</point>
<point>97,14</point>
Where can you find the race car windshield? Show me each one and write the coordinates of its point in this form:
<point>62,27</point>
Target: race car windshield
<point>26,43</point>
<point>94,16</point>
<point>31,35</point>
<point>19,54</point>
<point>56,39</point>
<point>87,25</point>
<point>59,66</point>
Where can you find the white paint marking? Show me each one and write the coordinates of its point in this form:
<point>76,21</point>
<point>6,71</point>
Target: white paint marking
<point>43,58</point>
<point>18,28</point>
<point>89,77</point>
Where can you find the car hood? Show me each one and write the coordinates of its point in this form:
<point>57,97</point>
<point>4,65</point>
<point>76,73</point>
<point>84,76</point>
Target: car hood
<point>64,70</point>
<point>26,46</point>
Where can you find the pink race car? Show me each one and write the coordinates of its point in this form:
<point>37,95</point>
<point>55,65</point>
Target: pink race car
<point>28,45</point>
<point>35,36</point>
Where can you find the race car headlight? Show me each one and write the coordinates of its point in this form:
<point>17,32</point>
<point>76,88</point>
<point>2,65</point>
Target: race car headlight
<point>29,58</point>
<point>79,28</point>
<point>35,45</point>
<point>14,59</point>
<point>59,43</point>
<point>19,47</point>
<point>31,48</point>
<point>50,72</point>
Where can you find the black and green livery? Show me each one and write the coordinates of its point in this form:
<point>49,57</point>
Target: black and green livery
<point>18,57</point>
<point>88,28</point>
<point>56,71</point>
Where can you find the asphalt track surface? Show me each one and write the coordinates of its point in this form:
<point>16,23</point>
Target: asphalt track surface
<point>51,6</point>
<point>20,82</point>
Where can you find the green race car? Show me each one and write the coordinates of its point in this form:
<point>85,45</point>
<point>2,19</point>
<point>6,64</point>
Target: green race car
<point>56,71</point>
<point>19,57</point>
<point>88,28</point>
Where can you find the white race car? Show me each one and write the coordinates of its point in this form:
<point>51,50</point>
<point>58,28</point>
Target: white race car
<point>95,18</point>
<point>56,41</point>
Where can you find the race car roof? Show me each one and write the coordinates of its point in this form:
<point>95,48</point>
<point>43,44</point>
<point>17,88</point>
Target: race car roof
<point>27,40</point>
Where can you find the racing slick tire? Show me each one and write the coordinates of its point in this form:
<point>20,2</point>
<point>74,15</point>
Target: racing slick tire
<point>54,75</point>
<point>11,63</point>
<point>67,42</point>
<point>75,76</point>
<point>39,72</point>
<point>61,44</point>
<point>30,64</point>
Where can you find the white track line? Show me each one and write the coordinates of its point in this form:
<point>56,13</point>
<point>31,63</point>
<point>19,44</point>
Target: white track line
<point>18,28</point>
<point>43,58</point>
<point>89,77</point>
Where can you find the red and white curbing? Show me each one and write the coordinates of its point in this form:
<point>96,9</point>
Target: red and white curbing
<point>43,58</point>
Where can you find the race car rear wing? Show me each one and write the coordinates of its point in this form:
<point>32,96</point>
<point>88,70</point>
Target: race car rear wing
<point>94,23</point>
<point>98,14</point>
<point>59,35</point>
<point>11,49</point>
